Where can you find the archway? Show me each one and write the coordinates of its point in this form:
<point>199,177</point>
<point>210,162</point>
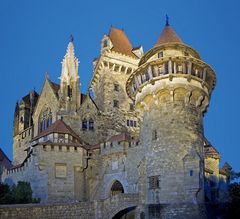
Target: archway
<point>116,188</point>
<point>127,213</point>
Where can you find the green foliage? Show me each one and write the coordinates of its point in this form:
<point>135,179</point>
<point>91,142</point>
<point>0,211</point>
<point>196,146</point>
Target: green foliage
<point>20,194</point>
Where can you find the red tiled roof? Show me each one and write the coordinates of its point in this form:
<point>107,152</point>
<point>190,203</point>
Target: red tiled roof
<point>58,127</point>
<point>168,36</point>
<point>120,137</point>
<point>121,43</point>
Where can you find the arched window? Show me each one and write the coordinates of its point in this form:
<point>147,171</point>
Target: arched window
<point>84,124</point>
<point>116,188</point>
<point>91,124</point>
<point>45,119</point>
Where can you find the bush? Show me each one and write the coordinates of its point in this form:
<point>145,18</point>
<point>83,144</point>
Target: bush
<point>20,194</point>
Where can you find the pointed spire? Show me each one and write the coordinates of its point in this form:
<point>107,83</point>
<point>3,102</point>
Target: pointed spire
<point>168,35</point>
<point>71,38</point>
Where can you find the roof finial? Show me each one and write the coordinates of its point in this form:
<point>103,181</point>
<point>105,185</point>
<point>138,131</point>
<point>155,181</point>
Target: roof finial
<point>71,38</point>
<point>167,20</point>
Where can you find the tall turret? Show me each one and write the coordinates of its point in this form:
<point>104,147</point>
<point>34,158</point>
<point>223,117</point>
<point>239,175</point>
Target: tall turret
<point>69,87</point>
<point>172,88</point>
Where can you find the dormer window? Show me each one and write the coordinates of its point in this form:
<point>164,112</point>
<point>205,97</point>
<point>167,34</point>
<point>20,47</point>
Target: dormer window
<point>105,43</point>
<point>160,54</point>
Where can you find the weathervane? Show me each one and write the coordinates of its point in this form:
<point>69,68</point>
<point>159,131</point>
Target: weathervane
<point>71,38</point>
<point>167,20</point>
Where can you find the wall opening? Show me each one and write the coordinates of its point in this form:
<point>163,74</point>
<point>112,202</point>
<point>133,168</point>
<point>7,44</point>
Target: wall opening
<point>116,188</point>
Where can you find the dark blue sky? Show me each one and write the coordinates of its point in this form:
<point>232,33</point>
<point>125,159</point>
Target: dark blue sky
<point>34,36</point>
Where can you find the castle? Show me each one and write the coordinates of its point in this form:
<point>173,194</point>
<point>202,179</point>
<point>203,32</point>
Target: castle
<point>139,138</point>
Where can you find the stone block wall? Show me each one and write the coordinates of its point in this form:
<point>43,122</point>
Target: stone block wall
<point>53,211</point>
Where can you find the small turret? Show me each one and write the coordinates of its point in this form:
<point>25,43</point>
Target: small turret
<point>69,87</point>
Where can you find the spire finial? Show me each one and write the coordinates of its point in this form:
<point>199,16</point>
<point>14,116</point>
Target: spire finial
<point>71,38</point>
<point>167,20</point>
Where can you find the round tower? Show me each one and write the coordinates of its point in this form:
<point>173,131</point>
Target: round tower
<point>171,89</point>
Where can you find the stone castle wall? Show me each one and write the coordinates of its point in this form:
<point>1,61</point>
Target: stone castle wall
<point>50,211</point>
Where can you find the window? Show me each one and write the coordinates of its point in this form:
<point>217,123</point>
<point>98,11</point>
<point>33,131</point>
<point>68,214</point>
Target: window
<point>116,87</point>
<point>131,106</point>
<point>154,135</point>
<point>60,170</point>
<point>61,138</point>
<point>153,182</point>
<point>131,123</point>
<point>135,124</point>
<point>116,103</point>
<point>69,91</point>
<point>186,54</point>
<point>91,124</point>
<point>84,124</point>
<point>45,119</point>
<point>105,43</point>
<point>191,173</point>
<point>160,54</point>
<point>127,122</point>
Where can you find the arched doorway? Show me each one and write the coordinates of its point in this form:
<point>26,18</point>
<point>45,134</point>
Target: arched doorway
<point>127,213</point>
<point>116,188</point>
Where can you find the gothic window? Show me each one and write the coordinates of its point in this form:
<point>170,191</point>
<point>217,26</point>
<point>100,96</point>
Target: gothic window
<point>117,188</point>
<point>45,119</point>
<point>91,124</point>
<point>116,103</point>
<point>116,87</point>
<point>84,124</point>
<point>153,182</point>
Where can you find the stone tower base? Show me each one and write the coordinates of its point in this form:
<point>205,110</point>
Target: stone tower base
<point>176,211</point>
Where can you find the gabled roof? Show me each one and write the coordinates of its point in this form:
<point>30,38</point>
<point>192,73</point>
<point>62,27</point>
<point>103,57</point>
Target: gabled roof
<point>168,35</point>
<point>58,127</point>
<point>121,43</point>
<point>210,151</point>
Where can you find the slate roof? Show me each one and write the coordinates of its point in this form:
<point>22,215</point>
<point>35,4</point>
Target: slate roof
<point>121,43</point>
<point>120,137</point>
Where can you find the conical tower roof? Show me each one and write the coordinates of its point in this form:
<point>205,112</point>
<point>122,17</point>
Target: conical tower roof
<point>121,43</point>
<point>168,35</point>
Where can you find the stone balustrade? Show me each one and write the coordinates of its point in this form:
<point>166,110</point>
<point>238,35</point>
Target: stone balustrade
<point>171,67</point>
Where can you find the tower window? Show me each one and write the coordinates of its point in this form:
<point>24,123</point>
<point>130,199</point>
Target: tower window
<point>153,182</point>
<point>131,106</point>
<point>154,135</point>
<point>116,87</point>
<point>127,122</point>
<point>191,173</point>
<point>84,124</point>
<point>160,54</point>
<point>116,103</point>
<point>91,124</point>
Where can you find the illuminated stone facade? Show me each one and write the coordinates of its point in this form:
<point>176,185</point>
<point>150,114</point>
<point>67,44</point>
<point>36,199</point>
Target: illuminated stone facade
<point>134,147</point>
